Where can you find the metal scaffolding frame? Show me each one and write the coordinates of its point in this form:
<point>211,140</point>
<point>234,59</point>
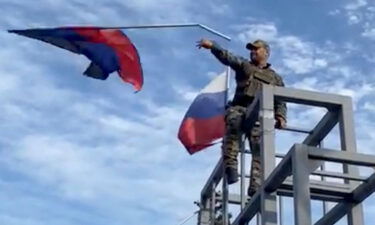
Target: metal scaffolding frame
<point>291,177</point>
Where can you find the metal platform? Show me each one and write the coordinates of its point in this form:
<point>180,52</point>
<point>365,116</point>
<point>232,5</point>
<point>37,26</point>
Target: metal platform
<point>291,177</point>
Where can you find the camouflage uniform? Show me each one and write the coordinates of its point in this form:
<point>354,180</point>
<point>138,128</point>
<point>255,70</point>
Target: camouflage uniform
<point>249,79</point>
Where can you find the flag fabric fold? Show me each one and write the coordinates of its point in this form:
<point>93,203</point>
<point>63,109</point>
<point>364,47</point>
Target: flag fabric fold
<point>204,121</point>
<point>109,50</point>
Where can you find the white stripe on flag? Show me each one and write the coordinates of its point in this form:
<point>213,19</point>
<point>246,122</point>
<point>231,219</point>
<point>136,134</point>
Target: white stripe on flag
<point>218,84</point>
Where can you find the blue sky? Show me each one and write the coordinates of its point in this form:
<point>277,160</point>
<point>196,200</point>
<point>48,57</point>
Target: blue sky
<point>76,151</point>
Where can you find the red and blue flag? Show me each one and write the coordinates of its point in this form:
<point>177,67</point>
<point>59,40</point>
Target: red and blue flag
<point>109,50</point>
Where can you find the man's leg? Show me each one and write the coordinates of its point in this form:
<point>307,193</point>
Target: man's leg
<point>256,167</point>
<point>231,143</point>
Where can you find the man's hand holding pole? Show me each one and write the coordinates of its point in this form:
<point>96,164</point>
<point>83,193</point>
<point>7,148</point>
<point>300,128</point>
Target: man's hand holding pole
<point>204,43</point>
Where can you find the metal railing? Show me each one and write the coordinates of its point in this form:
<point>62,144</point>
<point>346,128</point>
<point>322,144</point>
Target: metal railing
<point>291,176</point>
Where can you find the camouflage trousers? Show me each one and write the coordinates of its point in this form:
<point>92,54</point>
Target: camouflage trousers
<point>231,145</point>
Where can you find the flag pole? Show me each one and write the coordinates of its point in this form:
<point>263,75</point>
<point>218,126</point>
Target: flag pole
<point>225,188</point>
<point>202,26</point>
<point>178,25</point>
<point>227,83</point>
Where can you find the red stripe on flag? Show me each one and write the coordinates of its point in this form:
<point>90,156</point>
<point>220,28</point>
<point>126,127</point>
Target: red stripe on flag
<point>197,134</point>
<point>129,60</point>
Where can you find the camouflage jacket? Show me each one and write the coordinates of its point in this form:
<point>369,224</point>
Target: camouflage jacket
<point>249,78</point>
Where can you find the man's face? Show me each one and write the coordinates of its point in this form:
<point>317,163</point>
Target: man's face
<point>258,55</point>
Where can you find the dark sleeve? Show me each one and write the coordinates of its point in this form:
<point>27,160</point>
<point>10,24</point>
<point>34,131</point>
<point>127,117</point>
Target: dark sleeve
<point>226,57</point>
<point>280,107</point>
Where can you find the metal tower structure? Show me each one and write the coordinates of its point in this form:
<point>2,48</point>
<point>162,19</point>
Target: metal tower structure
<point>291,177</point>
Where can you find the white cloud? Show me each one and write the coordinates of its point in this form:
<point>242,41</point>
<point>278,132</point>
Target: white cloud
<point>369,106</point>
<point>221,9</point>
<point>361,13</point>
<point>189,95</point>
<point>267,31</point>
<point>13,220</point>
<point>302,57</point>
<point>334,12</point>
<point>297,55</point>
<point>320,63</point>
<point>355,5</point>
<point>369,33</point>
<point>355,91</point>
<point>354,19</point>
<point>309,83</point>
<point>343,70</point>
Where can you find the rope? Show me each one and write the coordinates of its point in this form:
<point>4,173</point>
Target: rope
<point>188,218</point>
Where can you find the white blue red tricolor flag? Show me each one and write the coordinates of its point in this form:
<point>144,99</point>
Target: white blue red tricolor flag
<point>204,120</point>
<point>109,50</point>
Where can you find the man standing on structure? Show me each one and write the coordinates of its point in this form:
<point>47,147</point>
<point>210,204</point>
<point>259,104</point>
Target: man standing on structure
<point>250,75</point>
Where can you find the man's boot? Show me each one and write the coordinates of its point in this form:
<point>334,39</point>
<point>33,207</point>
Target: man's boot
<point>254,183</point>
<point>232,175</point>
<point>219,219</point>
<point>251,191</point>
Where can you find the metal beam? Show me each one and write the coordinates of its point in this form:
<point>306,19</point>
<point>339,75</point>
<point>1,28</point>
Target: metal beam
<point>364,190</point>
<point>232,198</point>
<point>322,129</point>
<point>341,157</point>
<point>268,203</point>
<point>341,209</point>
<point>280,173</point>
<point>314,196</point>
<point>277,155</point>
<point>307,97</point>
<point>286,189</point>
<point>249,211</point>
<point>204,213</point>
<point>338,175</point>
<point>348,144</point>
<point>213,205</point>
<point>322,187</point>
<point>328,191</point>
<point>297,129</point>
<point>301,197</point>
<point>335,214</point>
<point>279,176</point>
<point>224,209</point>
<point>214,178</point>
<point>276,181</point>
<point>243,173</point>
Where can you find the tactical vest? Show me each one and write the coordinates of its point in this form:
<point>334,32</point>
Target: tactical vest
<point>250,79</point>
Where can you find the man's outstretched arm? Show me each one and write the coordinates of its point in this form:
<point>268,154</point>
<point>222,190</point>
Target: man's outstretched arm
<point>223,55</point>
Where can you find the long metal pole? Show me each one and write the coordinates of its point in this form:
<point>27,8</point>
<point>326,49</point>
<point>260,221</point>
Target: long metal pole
<point>243,193</point>
<point>213,205</point>
<point>204,27</point>
<point>225,181</point>
<point>323,168</point>
<point>225,200</point>
<point>268,205</point>
<point>281,210</point>
<point>227,83</point>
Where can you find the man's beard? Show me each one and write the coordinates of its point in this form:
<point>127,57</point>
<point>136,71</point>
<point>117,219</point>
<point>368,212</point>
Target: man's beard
<point>253,57</point>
